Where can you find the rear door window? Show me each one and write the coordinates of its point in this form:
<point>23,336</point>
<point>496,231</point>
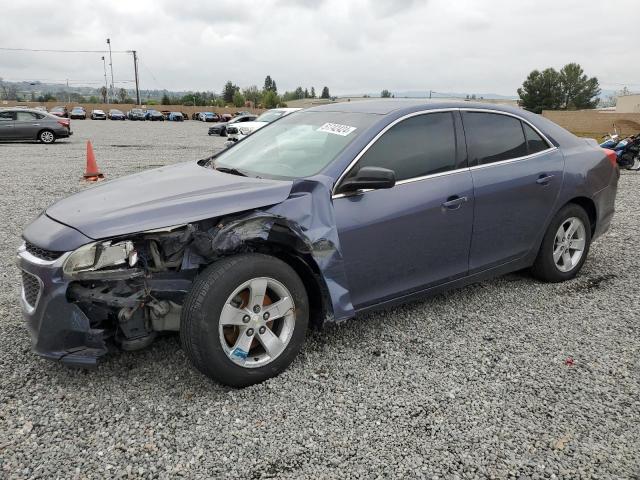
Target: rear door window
<point>492,137</point>
<point>418,146</point>
<point>25,116</point>
<point>6,116</point>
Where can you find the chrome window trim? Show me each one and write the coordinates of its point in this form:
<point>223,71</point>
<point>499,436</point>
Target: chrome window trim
<point>406,181</point>
<point>512,160</point>
<point>457,170</point>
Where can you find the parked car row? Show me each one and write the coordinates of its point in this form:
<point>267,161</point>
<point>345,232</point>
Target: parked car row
<point>225,124</point>
<point>80,113</point>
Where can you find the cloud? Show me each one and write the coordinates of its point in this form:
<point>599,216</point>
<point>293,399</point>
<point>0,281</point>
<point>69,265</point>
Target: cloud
<point>353,47</point>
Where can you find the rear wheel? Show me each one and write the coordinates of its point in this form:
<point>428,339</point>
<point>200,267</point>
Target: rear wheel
<point>46,136</point>
<point>565,245</point>
<point>245,319</point>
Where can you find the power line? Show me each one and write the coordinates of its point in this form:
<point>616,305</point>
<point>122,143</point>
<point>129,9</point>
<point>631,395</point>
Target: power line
<point>63,80</point>
<point>60,51</point>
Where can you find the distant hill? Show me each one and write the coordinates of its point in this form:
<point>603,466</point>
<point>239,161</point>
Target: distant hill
<point>425,94</point>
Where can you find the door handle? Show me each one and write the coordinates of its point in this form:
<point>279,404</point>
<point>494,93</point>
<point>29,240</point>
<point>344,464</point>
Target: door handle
<point>454,202</point>
<point>35,124</point>
<point>544,179</point>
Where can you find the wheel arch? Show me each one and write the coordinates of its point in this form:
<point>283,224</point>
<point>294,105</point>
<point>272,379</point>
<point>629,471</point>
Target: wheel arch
<point>589,206</point>
<point>309,272</point>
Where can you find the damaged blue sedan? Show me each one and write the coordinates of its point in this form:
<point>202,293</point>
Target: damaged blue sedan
<point>319,216</point>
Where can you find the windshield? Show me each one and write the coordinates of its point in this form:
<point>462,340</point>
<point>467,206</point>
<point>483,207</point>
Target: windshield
<point>78,109</point>
<point>115,111</point>
<point>270,116</point>
<point>299,145</point>
<point>136,110</point>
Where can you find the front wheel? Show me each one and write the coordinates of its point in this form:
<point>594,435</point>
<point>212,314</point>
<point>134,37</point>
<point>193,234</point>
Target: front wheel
<point>565,245</point>
<point>245,319</point>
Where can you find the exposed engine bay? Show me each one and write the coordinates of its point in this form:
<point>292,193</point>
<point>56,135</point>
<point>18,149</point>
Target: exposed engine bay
<point>132,289</point>
<point>135,288</point>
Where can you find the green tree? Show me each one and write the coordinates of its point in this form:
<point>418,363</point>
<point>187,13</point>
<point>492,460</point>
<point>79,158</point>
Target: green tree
<point>270,99</point>
<point>313,92</point>
<point>103,93</point>
<point>94,99</point>
<point>122,95</point>
<point>578,90</point>
<point>306,93</point>
<point>229,91</point>
<point>238,99</point>
<point>270,84</point>
<point>552,90</point>
<point>252,94</point>
<point>165,100</point>
<point>325,93</point>
<point>385,93</point>
<point>541,91</point>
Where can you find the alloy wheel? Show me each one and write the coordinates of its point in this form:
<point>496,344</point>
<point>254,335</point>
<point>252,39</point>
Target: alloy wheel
<point>257,322</point>
<point>47,137</point>
<point>569,244</point>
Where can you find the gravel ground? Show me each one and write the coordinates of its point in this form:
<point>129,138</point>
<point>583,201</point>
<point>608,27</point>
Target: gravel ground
<point>507,379</point>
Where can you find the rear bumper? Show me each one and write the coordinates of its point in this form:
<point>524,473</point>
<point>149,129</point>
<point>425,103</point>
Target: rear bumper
<point>605,207</point>
<point>63,133</point>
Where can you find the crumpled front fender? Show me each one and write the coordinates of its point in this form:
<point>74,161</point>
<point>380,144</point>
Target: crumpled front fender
<point>307,214</point>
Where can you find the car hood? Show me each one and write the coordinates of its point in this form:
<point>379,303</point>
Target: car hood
<point>218,124</point>
<point>163,197</point>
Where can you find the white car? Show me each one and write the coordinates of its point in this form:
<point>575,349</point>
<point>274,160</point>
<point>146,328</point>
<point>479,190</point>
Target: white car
<point>241,130</point>
<point>98,115</point>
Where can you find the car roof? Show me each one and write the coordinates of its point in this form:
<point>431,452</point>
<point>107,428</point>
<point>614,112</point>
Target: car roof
<point>387,106</point>
<point>399,107</point>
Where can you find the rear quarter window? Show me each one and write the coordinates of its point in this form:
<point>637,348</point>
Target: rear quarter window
<point>535,143</point>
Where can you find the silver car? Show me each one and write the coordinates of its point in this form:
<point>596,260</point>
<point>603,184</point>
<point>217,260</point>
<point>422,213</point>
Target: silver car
<point>31,124</point>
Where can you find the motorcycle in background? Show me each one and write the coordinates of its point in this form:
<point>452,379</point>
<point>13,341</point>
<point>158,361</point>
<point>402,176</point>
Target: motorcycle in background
<point>627,150</point>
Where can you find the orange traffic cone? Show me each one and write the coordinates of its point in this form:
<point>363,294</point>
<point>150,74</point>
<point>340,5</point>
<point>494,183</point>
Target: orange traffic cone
<point>92,173</point>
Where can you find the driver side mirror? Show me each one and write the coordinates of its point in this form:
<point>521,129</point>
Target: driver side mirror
<point>369,178</point>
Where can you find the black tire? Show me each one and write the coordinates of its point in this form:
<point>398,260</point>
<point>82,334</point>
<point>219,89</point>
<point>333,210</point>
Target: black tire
<point>46,136</point>
<point>544,267</point>
<point>200,322</point>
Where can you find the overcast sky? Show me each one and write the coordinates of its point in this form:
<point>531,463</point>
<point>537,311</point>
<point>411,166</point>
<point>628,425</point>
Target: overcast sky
<point>352,46</point>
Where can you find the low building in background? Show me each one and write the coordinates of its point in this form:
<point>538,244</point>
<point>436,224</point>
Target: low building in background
<point>628,103</point>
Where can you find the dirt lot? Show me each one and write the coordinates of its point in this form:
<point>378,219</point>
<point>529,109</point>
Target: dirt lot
<point>507,378</point>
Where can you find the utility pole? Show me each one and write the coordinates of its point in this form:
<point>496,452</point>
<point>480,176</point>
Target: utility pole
<point>106,86</point>
<point>135,69</point>
<point>110,66</point>
<point>68,93</point>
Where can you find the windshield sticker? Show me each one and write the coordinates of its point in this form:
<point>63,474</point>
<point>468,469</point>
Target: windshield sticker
<point>336,129</point>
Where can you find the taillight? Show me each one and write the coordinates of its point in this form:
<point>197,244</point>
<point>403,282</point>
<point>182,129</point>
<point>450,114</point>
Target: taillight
<point>64,122</point>
<point>611,155</point>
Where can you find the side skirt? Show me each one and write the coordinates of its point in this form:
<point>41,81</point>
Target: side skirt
<point>510,267</point>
